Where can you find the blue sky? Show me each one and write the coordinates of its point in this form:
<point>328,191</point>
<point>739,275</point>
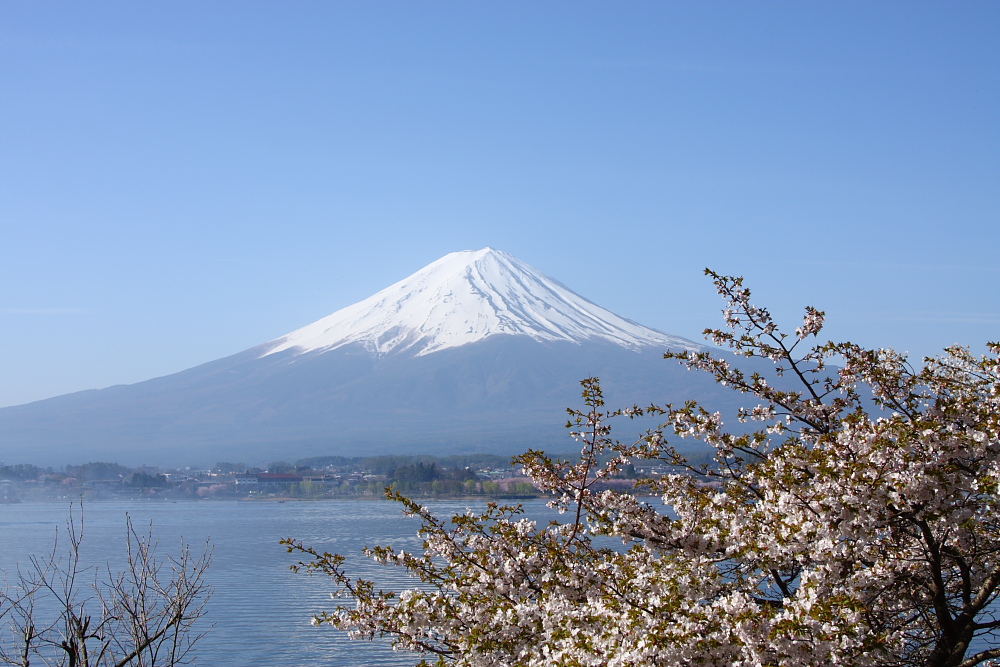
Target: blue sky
<point>180,181</point>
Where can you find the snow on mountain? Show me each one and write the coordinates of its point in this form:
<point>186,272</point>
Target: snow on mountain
<point>466,297</point>
<point>400,377</point>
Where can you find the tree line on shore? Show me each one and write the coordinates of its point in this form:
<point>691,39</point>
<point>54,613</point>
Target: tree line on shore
<point>312,478</point>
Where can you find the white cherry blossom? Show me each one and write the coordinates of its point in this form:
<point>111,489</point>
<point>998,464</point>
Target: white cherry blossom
<point>858,526</point>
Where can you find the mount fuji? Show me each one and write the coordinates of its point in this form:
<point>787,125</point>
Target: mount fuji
<point>475,352</point>
<point>467,297</point>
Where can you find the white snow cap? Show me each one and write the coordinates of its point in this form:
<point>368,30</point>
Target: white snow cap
<point>465,297</point>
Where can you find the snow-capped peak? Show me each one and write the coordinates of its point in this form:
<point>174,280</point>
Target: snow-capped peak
<point>465,297</point>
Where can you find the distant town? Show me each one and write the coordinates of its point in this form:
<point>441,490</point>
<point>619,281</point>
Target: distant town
<point>307,479</point>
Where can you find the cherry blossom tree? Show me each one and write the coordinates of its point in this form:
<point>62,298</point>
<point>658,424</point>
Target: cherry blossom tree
<point>852,519</point>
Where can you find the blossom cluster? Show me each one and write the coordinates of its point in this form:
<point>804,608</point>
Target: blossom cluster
<point>857,525</point>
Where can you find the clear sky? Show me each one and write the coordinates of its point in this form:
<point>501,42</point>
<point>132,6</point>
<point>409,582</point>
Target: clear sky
<point>180,181</point>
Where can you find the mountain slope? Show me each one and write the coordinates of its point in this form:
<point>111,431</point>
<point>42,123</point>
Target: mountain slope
<point>476,352</point>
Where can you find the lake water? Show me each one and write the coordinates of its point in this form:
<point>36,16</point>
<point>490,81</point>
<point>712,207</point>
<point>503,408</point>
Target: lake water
<point>260,610</point>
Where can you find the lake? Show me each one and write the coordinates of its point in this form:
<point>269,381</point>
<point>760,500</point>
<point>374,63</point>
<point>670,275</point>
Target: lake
<point>260,610</point>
